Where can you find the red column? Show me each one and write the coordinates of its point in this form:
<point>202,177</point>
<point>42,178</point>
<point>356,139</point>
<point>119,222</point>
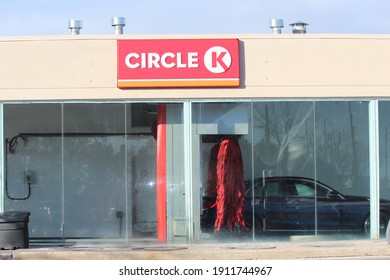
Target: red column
<point>161,174</point>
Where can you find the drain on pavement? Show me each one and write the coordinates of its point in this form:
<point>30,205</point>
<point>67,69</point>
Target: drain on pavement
<point>246,247</point>
<point>159,248</point>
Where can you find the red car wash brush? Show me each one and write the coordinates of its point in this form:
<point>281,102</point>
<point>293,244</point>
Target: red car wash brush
<point>230,186</point>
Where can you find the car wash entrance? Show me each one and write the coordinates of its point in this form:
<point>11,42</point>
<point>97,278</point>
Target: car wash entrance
<point>283,169</point>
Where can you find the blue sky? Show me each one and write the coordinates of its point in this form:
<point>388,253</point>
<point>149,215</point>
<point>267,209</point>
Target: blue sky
<point>50,17</point>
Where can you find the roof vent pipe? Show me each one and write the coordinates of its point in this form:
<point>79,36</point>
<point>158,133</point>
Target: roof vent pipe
<point>299,27</point>
<point>276,25</point>
<point>75,26</point>
<point>118,23</point>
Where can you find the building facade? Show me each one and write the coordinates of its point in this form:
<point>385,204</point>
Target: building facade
<point>113,137</point>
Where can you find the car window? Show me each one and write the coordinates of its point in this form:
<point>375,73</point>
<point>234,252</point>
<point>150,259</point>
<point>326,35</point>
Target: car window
<point>271,189</point>
<point>258,189</point>
<point>308,190</point>
<point>288,190</point>
<point>304,191</point>
<point>322,192</point>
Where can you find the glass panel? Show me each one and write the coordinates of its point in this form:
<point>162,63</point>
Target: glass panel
<point>384,131</point>
<point>97,178</point>
<point>155,172</point>
<point>222,168</point>
<point>33,155</point>
<point>94,170</point>
<point>141,169</point>
<point>283,149</point>
<point>177,212</point>
<point>343,165</point>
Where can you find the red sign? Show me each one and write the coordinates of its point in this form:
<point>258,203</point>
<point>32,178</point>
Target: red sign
<point>178,63</point>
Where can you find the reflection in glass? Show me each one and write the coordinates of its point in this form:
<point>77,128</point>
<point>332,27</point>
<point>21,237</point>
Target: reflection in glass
<point>342,146</point>
<point>283,139</point>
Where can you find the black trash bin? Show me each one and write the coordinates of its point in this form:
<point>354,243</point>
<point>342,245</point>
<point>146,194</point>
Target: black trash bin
<point>14,230</point>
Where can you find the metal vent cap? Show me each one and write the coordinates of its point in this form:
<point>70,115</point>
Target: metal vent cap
<point>118,23</point>
<point>276,25</point>
<point>299,27</point>
<point>75,25</point>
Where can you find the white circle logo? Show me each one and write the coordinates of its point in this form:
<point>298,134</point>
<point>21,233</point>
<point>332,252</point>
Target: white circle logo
<point>217,60</point>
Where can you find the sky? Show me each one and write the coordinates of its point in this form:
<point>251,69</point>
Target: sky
<point>50,17</point>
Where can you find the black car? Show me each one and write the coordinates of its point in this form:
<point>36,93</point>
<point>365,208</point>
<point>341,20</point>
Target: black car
<point>299,205</point>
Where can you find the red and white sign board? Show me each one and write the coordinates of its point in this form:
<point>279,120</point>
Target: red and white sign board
<point>178,63</point>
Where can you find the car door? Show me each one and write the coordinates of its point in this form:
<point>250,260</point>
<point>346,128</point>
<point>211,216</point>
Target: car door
<point>300,206</point>
<point>282,209</point>
<point>328,209</point>
<point>274,206</point>
<point>314,207</point>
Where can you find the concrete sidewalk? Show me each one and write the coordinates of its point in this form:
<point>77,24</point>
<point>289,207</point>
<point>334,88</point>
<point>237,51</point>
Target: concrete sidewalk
<point>360,249</point>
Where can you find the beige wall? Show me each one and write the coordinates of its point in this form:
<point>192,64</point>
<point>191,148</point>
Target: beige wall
<point>273,66</point>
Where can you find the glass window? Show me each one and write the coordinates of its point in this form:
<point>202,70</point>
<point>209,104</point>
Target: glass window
<point>259,169</point>
<point>283,148</point>
<point>94,165</point>
<point>110,171</point>
<point>33,165</point>
<point>342,146</point>
<point>222,167</point>
<point>384,139</point>
<point>305,191</point>
<point>271,189</point>
<point>311,158</point>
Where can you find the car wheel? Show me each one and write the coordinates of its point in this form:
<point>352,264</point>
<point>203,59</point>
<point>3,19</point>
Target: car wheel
<point>383,221</point>
<point>366,225</point>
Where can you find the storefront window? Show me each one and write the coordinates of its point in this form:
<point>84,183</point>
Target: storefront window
<point>305,166</point>
<point>342,163</point>
<point>91,170</point>
<point>255,170</point>
<point>283,155</point>
<point>384,151</point>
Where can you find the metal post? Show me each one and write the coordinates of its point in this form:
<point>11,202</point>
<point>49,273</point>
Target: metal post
<point>374,168</point>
